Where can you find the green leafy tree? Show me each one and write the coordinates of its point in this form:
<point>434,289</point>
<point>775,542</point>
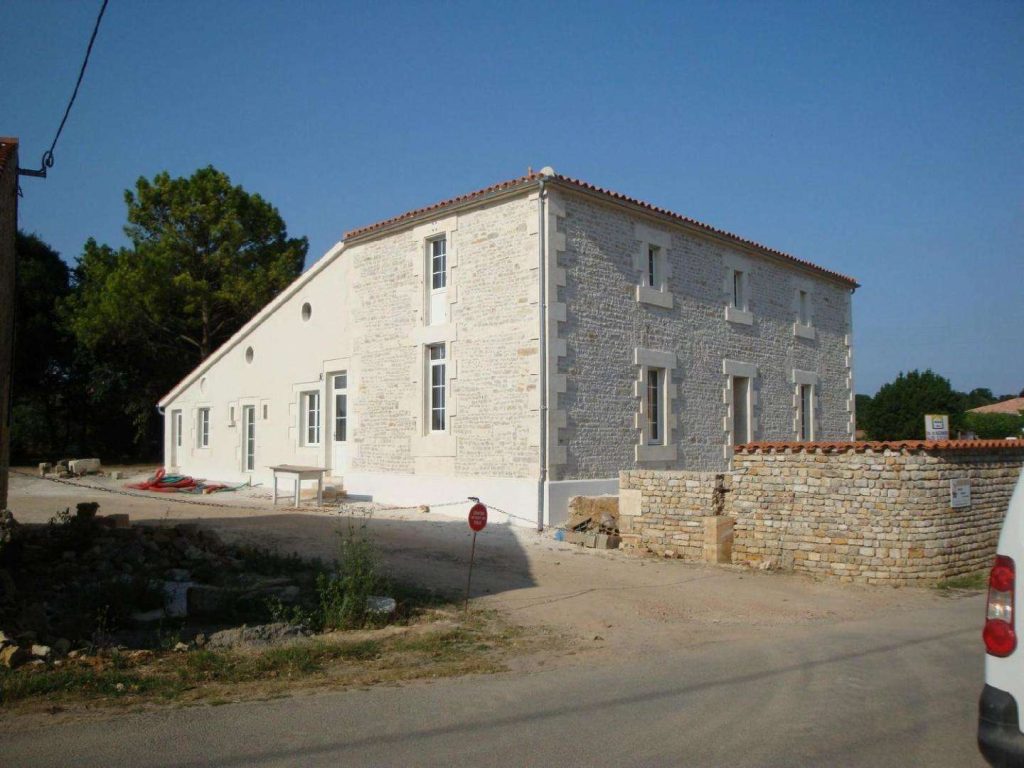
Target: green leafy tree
<point>42,351</point>
<point>204,257</point>
<point>978,397</point>
<point>898,409</point>
<point>861,403</point>
<point>994,426</point>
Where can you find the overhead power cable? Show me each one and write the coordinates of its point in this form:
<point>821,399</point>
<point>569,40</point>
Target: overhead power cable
<point>47,161</point>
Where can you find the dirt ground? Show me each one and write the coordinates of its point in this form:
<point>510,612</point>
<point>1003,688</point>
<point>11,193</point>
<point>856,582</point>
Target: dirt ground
<point>603,603</point>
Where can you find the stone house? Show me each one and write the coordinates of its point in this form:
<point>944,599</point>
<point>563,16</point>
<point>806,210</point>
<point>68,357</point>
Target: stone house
<point>523,343</point>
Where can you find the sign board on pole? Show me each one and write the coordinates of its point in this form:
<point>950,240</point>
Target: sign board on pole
<point>477,516</point>
<point>960,493</point>
<point>936,426</point>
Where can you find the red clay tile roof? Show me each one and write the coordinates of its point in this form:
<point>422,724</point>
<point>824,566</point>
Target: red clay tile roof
<point>7,147</point>
<point>1014,405</point>
<point>499,187</point>
<point>893,445</point>
<point>586,186</point>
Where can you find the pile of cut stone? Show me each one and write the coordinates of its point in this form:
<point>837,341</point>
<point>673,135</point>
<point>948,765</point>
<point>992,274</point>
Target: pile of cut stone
<point>593,522</point>
<point>66,468</point>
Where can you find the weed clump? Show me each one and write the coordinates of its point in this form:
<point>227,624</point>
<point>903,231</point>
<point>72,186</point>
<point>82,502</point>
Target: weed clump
<point>343,593</point>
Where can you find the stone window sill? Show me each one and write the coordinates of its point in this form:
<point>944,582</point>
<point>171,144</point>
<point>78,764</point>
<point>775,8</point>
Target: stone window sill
<point>739,316</point>
<point>647,295</point>
<point>655,453</point>
<point>803,331</point>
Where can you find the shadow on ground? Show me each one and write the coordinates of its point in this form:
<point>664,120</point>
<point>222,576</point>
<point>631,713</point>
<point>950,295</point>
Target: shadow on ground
<point>427,554</point>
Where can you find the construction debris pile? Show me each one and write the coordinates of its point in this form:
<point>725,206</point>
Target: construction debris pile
<point>593,522</point>
<point>89,581</point>
<point>67,468</point>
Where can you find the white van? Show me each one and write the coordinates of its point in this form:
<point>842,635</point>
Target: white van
<point>1000,735</point>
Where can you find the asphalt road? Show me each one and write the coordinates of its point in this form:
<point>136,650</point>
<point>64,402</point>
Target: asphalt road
<point>900,690</point>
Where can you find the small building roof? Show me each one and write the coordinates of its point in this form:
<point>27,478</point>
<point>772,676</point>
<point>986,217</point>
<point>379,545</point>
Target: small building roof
<point>1014,405</point>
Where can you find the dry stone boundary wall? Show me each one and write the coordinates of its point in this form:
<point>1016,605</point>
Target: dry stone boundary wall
<point>877,513</point>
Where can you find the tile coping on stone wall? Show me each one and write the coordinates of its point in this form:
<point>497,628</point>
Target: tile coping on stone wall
<point>880,445</point>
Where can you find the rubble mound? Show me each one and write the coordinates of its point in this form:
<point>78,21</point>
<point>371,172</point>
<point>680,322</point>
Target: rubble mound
<point>88,580</point>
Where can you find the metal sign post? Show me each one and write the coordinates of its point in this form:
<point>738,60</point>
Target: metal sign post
<point>477,521</point>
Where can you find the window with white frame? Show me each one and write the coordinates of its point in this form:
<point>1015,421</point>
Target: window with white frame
<point>651,262</point>
<point>805,415</point>
<point>656,406</point>
<point>438,263</point>
<point>437,394</point>
<point>203,428</point>
<point>311,417</point>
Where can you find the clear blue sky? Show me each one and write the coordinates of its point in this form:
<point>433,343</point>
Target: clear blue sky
<point>882,140</point>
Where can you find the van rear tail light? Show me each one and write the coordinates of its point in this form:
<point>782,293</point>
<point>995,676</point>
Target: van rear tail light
<point>1000,636</point>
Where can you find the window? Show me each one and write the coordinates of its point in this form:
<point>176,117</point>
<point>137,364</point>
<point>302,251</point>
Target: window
<point>806,415</point>
<point>655,270</point>
<point>340,408</point>
<point>307,311</point>
<point>177,428</point>
<point>231,416</point>
<point>803,308</point>
<point>249,354</point>
<point>655,411</point>
<point>436,361</point>
<point>249,435</point>
<point>739,280</point>
<point>438,263</point>
<point>204,428</point>
<point>740,410</point>
<point>311,417</point>
<point>266,411</point>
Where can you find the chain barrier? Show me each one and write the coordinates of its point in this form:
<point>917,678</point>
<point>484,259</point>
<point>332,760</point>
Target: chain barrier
<point>340,509</point>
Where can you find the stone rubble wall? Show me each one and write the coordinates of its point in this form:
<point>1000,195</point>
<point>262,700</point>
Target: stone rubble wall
<point>663,511</point>
<point>876,515</point>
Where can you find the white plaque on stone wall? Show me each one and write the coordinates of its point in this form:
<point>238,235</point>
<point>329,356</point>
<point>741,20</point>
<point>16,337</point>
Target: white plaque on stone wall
<point>960,493</point>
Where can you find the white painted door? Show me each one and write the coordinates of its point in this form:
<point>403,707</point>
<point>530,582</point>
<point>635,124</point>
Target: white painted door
<point>249,437</point>
<point>176,425</point>
<point>339,425</point>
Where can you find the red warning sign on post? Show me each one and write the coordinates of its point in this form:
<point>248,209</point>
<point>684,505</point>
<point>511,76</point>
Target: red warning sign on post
<point>477,516</point>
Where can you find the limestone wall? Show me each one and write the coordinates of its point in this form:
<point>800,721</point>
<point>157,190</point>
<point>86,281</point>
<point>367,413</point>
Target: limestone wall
<point>363,310</point>
<point>663,511</point>
<point>613,325</point>
<point>877,513</point>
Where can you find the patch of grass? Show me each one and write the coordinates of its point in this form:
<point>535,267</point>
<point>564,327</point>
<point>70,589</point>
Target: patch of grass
<point>476,644</point>
<point>976,581</point>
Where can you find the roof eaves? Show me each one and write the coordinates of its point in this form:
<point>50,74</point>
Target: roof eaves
<point>677,217</point>
<point>469,197</point>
